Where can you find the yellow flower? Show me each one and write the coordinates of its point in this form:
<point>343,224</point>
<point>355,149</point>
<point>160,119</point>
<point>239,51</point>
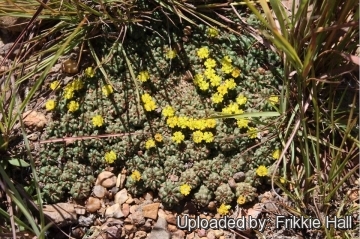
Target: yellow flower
<point>168,111</point>
<point>226,60</point>
<point>178,137</point>
<point>273,100</point>
<point>182,122</point>
<point>204,85</point>
<point>230,84</point>
<point>210,123</point>
<point>242,123</point>
<point>136,175</point>
<point>199,124</point>
<point>203,52</point>
<point>210,63</point>
<point>276,154</point>
<point>110,157</point>
<point>50,105</point>
<point>222,89</point>
<point>172,121</point>
<point>198,136</point>
<point>262,171</point>
<point>235,73</point>
<point>150,144</point>
<point>217,98</point>
<point>170,54</point>
<point>146,98</point>
<point>107,90</point>
<point>185,189</point>
<point>77,84</point>
<point>241,100</point>
<point>68,93</point>
<point>143,76</point>
<point>212,32</point>
<point>215,80</point>
<point>227,68</point>
<point>198,78</point>
<point>73,106</point>
<point>209,72</point>
<point>89,72</point>
<point>158,137</point>
<point>282,180</point>
<point>223,209</point>
<point>252,132</point>
<point>98,121</point>
<point>150,105</point>
<point>208,137</point>
<point>55,85</point>
<point>241,200</point>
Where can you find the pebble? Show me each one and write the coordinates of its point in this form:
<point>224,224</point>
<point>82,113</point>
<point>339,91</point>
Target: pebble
<point>218,233</point>
<point>239,177</point>
<point>201,232</point>
<point>172,228</point>
<point>210,234</point>
<point>179,234</point>
<point>148,196</point>
<point>171,219</point>
<point>125,209</point>
<point>140,235</point>
<point>106,179</point>
<point>151,210</point>
<point>121,197</point>
<point>159,231</point>
<point>99,191</point>
<point>129,228</point>
<point>137,218</point>
<point>93,204</point>
<point>114,211</point>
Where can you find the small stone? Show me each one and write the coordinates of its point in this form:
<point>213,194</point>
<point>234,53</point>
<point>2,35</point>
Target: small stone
<point>99,191</point>
<point>134,208</point>
<point>121,196</point>
<point>179,234</point>
<point>77,232</point>
<point>34,119</point>
<point>137,218</point>
<point>212,206</point>
<point>80,210</point>
<point>106,179</point>
<point>239,177</point>
<point>159,230</point>
<point>147,226</point>
<point>120,181</point>
<point>171,219</point>
<point>130,200</point>
<point>148,196</point>
<point>114,211</point>
<point>222,237</point>
<point>201,232</point>
<point>210,234</point>
<point>125,209</point>
<point>190,236</point>
<point>151,210</point>
<point>218,233</point>
<point>172,228</point>
<point>86,221</point>
<point>93,204</point>
<point>129,228</point>
<point>61,213</point>
<point>140,235</point>
<point>232,183</point>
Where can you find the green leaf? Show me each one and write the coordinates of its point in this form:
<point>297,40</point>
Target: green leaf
<point>18,163</point>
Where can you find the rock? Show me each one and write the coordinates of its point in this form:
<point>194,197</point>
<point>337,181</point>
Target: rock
<point>106,179</point>
<point>171,219</point>
<point>129,228</point>
<point>86,221</point>
<point>190,235</point>
<point>114,211</point>
<point>159,230</point>
<point>218,233</point>
<point>147,226</point>
<point>130,200</point>
<point>201,232</point>
<point>120,181</point>
<point>210,234</point>
<point>148,196</point>
<point>61,213</point>
<point>239,177</point>
<point>151,210</point>
<point>93,204</point>
<point>112,232</point>
<point>121,197</point>
<point>232,183</point>
<point>134,208</point>
<point>179,234</point>
<point>172,228</point>
<point>125,209</point>
<point>77,232</point>
<point>212,206</point>
<point>140,235</point>
<point>34,119</point>
<point>80,210</point>
<point>99,191</point>
<point>137,218</point>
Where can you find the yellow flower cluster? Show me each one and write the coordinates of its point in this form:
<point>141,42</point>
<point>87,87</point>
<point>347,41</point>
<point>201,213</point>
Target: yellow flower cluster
<point>252,132</point>
<point>50,105</point>
<point>98,121</point>
<point>150,143</point>
<point>191,123</point>
<point>241,100</point>
<point>136,176</point>
<point>273,100</point>
<point>276,154</point>
<point>227,67</point>
<point>89,72</point>
<point>262,171</point>
<point>235,72</point>
<point>110,157</point>
<point>73,106</point>
<point>170,54</point>
<point>201,82</point>
<point>222,90</point>
<point>72,87</point>
<point>185,189</point>
<point>107,90</point>
<point>199,136</point>
<point>232,108</point>
<point>168,111</point>
<point>158,138</point>
<point>212,32</point>
<point>241,200</point>
<point>178,137</point>
<point>143,76</point>
<point>203,52</point>
<point>149,103</point>
<point>223,209</point>
<point>242,123</point>
<point>55,85</point>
